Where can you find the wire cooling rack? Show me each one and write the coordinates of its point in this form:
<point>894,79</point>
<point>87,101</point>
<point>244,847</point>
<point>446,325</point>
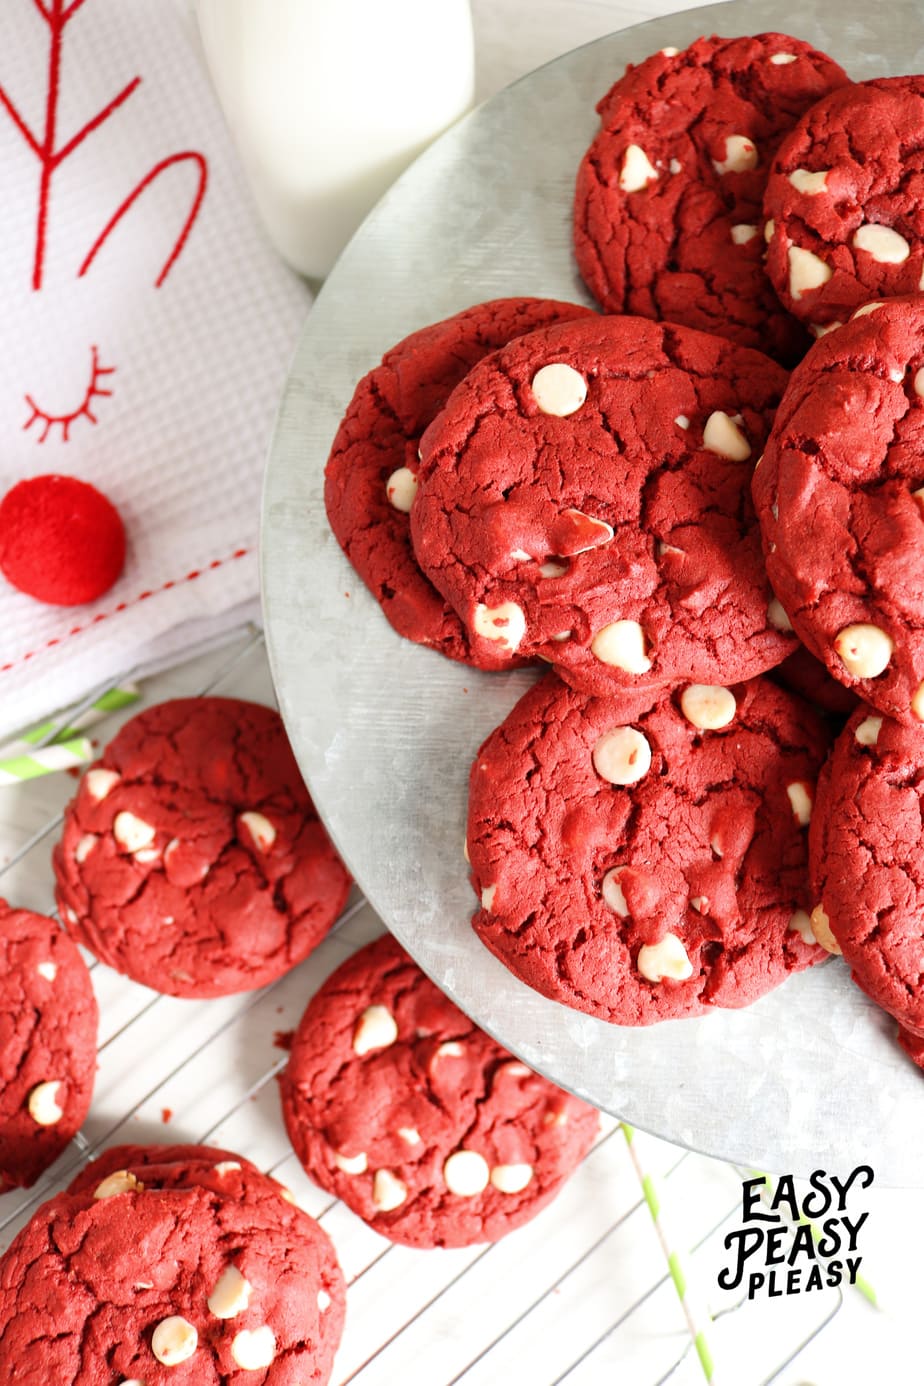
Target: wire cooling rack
<point>582,1294</point>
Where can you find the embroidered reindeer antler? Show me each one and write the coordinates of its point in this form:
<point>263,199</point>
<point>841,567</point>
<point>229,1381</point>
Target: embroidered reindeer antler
<point>56,15</point>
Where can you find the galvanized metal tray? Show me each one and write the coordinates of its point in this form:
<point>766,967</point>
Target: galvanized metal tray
<point>385,731</point>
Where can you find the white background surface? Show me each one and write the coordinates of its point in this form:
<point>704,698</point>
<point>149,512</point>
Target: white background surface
<point>580,1294</point>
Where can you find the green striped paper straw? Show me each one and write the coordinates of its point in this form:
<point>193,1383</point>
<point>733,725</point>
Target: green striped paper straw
<point>861,1284</point>
<point>674,1263</point>
<point>61,755</point>
<point>66,729</point>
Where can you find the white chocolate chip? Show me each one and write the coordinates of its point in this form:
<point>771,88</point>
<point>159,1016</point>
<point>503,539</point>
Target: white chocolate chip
<point>375,1029</point>
<point>511,1179</point>
<point>600,531</point>
<point>821,329</point>
<point>918,383</point>
<point>452,1049</point>
<point>226,1166</point>
<point>621,645</point>
<point>174,1340</point>
<point>43,1107</point>
<point>287,1195</point>
<point>466,1173</point>
<point>323,1301</point>
<point>707,706</point>
<point>521,556</point>
<point>806,271</point>
<point>505,623</point>
<point>663,549</point>
<point>260,829</point>
<point>723,436</point>
<point>665,959</point>
<point>682,421</point>
<point>99,783</point>
<point>669,52</point>
<point>917,702</point>
<point>47,970</point>
<point>401,488</point>
<point>514,1069</point>
<point>743,232</point>
<point>388,1191</point>
<point>552,569</point>
<point>780,59</point>
<point>801,922</point>
<point>409,1134</point>
<point>121,1181</point>
<point>866,308</point>
<point>612,894</point>
<point>555,1118</point>
<point>135,1380</point>
<point>886,246</point>
<point>562,635</point>
<point>776,615</point>
<point>637,170</point>
<point>799,794</point>
<point>559,389</point>
<point>254,1349</point>
<point>864,650</point>
<point>622,756</point>
<point>231,1294</point>
<point>675,166</point>
<point>146,855</point>
<point>85,847</point>
<point>740,155</point>
<point>465,850</point>
<point>896,377</point>
<point>351,1164</point>
<point>132,833</point>
<point>769,228</point>
<point>70,915</point>
<point>821,928</point>
<point>811,184</point>
<point>487,897</point>
<point>867,732</point>
<point>700,903</point>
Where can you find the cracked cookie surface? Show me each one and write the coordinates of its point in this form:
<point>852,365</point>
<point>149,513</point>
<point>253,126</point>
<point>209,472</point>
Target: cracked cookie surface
<point>840,499</point>
<point>645,868</point>
<point>844,202</point>
<point>419,1121</point>
<point>667,215</point>
<point>192,858</point>
<point>48,1024</point>
<point>371,476</point>
<point>156,1274</point>
<point>584,496</point>
<point>865,847</point>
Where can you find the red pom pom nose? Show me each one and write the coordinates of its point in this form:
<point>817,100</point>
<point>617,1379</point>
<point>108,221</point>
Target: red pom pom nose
<point>61,540</point>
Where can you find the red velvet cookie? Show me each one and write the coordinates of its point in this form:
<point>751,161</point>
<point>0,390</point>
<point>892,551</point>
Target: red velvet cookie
<point>840,498</point>
<point>192,858</point>
<point>48,1021</point>
<point>169,1285</point>
<point>584,497</point>
<point>667,214</point>
<point>645,868</point>
<point>845,201</point>
<point>419,1121</point>
<point>371,476</point>
<point>61,540</point>
<point>865,850</point>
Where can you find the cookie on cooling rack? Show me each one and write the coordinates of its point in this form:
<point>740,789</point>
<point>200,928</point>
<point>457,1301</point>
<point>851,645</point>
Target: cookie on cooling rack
<point>840,498</point>
<point>192,858</point>
<point>584,497</point>
<point>175,1272</point>
<point>667,212</point>
<point>48,1022</point>
<point>643,868</point>
<point>865,855</point>
<point>415,1118</point>
<point>844,202</point>
<point>371,475</point>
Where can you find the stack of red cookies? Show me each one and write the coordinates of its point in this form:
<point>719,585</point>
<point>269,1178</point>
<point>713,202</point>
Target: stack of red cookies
<point>652,506</point>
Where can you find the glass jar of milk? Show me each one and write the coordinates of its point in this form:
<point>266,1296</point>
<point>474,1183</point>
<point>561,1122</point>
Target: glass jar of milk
<point>328,100</point>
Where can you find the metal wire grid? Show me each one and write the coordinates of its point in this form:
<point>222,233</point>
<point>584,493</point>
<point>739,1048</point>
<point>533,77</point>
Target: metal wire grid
<point>582,1290</point>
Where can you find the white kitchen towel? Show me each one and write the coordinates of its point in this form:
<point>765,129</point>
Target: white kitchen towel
<point>145,332</point>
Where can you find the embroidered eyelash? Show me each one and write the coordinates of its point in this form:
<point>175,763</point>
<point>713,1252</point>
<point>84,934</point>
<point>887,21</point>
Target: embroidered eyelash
<point>64,421</point>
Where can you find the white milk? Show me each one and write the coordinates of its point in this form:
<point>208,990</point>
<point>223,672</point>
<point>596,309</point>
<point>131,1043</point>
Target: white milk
<point>328,100</point>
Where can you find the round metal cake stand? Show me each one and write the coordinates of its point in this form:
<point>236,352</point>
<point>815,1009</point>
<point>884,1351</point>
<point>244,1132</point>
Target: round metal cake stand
<point>385,731</point>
